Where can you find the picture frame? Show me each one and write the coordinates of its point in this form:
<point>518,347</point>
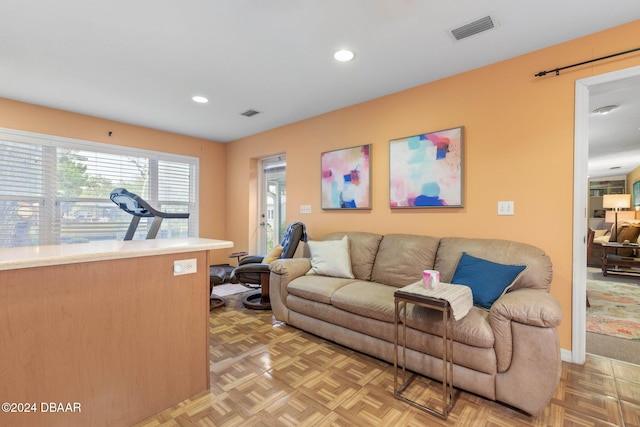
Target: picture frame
<point>426,170</point>
<point>346,178</point>
<point>636,195</point>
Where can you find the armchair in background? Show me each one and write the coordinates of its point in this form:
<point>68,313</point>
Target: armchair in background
<point>254,269</point>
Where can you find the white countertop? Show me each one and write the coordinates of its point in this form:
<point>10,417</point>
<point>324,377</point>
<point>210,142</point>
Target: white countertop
<point>40,256</point>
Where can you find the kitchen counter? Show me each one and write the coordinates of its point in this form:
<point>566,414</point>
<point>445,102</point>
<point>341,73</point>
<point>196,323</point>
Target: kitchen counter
<point>39,256</point>
<point>102,333</point>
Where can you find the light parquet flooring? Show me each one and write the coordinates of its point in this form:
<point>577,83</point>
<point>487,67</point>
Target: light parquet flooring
<point>265,373</point>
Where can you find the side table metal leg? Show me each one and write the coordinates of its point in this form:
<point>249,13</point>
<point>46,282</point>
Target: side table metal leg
<point>400,313</point>
<point>400,344</point>
<point>395,348</point>
<point>448,403</point>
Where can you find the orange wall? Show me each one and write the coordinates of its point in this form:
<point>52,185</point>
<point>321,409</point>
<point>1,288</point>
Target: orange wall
<point>33,118</point>
<point>519,137</point>
<point>518,146</point>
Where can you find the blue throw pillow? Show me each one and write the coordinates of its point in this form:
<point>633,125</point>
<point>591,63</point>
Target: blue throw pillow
<point>488,280</point>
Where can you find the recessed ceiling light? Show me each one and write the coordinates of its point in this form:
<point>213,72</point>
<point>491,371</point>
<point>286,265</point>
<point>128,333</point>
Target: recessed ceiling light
<point>344,55</point>
<point>200,99</point>
<point>605,110</point>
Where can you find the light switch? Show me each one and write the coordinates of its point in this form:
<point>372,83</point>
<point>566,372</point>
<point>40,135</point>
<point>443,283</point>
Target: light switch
<point>505,208</point>
<point>305,209</point>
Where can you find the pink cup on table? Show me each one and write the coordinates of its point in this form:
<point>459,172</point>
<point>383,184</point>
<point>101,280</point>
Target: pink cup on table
<point>431,279</point>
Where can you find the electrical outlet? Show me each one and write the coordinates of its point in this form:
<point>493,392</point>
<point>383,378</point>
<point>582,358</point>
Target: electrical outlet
<point>185,266</point>
<point>305,209</point>
<point>505,208</point>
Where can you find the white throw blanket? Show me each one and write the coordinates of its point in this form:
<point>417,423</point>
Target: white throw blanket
<point>459,296</point>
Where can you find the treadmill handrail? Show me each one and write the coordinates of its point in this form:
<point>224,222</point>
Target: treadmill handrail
<point>138,207</point>
<point>124,199</point>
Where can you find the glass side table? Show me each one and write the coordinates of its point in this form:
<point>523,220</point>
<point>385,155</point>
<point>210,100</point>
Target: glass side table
<point>401,378</point>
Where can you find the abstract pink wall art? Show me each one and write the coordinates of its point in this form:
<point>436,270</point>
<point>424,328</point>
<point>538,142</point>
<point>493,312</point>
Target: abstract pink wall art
<point>346,178</point>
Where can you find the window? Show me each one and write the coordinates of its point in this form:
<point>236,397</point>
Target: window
<point>56,190</point>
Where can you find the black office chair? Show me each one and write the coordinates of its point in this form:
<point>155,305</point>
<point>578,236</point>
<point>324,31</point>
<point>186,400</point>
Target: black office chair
<point>251,270</point>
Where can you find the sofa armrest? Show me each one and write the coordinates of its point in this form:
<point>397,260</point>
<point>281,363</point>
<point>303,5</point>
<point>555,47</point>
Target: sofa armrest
<point>526,306</point>
<point>290,268</point>
<point>284,271</point>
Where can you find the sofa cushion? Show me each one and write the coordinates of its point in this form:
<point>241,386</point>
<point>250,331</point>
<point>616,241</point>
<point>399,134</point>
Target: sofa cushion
<point>376,301</point>
<point>366,299</point>
<point>342,318</point>
<point>599,240</point>
<point>316,288</point>
<point>363,248</point>
<point>488,280</point>
<point>401,259</point>
<point>537,275</point>
<point>474,329</point>
<point>331,258</point>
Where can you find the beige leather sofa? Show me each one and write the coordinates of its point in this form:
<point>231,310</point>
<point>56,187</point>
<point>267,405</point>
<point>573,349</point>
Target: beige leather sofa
<point>510,353</point>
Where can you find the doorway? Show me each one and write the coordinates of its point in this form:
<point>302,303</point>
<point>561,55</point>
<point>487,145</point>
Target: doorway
<point>583,90</point>
<point>273,202</point>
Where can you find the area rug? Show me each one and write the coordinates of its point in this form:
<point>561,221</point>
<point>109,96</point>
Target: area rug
<point>229,289</point>
<point>614,310</point>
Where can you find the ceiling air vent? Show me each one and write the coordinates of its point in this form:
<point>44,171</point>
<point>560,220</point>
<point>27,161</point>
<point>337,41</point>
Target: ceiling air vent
<point>250,113</point>
<point>473,28</point>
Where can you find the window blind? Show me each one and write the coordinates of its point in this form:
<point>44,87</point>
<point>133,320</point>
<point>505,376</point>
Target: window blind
<point>23,175</point>
<point>56,190</point>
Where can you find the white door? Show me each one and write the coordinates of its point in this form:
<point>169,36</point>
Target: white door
<point>273,203</point>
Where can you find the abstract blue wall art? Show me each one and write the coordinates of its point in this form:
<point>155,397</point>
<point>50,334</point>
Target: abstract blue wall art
<point>426,170</point>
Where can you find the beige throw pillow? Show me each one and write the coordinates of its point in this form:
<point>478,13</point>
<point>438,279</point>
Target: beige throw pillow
<point>600,233</point>
<point>330,258</point>
<point>273,255</point>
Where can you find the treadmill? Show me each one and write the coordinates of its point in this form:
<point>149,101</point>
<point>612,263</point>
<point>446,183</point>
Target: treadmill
<point>139,208</point>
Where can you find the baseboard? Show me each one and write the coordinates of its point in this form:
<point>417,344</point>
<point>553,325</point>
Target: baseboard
<point>567,356</point>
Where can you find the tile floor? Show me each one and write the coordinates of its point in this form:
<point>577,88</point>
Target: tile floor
<point>265,373</point>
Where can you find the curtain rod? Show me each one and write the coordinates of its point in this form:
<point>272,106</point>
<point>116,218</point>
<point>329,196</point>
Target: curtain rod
<point>557,70</point>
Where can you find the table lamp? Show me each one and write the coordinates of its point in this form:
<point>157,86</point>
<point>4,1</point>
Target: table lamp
<point>616,202</point>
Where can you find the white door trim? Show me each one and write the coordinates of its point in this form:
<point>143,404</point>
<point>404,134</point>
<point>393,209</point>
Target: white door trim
<point>580,195</point>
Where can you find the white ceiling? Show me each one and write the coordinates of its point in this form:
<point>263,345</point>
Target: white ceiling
<point>141,61</point>
<point>614,138</point>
